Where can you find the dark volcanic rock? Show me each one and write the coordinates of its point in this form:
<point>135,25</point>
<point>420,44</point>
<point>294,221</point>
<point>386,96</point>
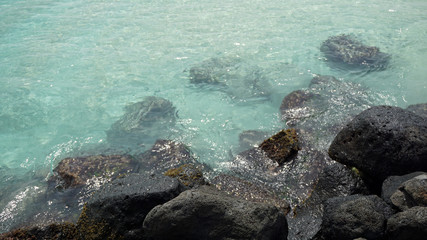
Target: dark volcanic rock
<point>348,50</point>
<point>420,109</point>
<point>143,121</point>
<point>119,208</point>
<point>383,141</point>
<point>248,191</point>
<point>72,172</point>
<point>62,231</point>
<point>165,155</point>
<point>335,180</point>
<point>239,79</point>
<point>410,224</point>
<point>353,217</point>
<point>281,146</point>
<point>411,193</point>
<point>187,174</point>
<point>393,183</point>
<point>206,213</point>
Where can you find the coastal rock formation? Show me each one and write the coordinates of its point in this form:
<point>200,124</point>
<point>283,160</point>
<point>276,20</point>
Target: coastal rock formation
<point>143,122</point>
<point>239,79</point>
<point>354,216</point>
<point>383,141</point>
<point>409,224</point>
<point>248,191</point>
<point>219,216</point>
<point>119,208</point>
<point>335,180</point>
<point>348,50</point>
<point>393,183</point>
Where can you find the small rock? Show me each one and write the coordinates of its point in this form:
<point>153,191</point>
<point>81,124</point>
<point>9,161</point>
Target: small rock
<point>206,213</point>
<point>281,146</point>
<point>411,193</point>
<point>355,216</point>
<point>393,183</point>
<point>187,174</point>
<point>409,224</point>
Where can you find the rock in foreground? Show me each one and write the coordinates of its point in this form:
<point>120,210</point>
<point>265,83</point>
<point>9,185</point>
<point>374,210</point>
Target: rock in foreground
<point>205,213</point>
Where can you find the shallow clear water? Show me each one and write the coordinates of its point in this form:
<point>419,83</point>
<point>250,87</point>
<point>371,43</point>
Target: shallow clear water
<point>68,69</point>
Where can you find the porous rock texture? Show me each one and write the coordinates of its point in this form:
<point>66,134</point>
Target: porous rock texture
<point>206,213</point>
<point>409,224</point>
<point>383,141</point>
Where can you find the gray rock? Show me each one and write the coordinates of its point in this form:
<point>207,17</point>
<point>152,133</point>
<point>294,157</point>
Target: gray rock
<point>206,213</point>
<point>355,216</point>
<point>383,141</point>
<point>409,224</point>
<point>143,122</point>
<point>411,193</point>
<point>346,49</point>
<point>122,205</point>
<point>393,183</point>
<point>248,191</point>
<point>420,109</point>
<point>335,180</point>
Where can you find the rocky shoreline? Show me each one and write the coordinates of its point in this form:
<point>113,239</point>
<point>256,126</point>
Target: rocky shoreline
<point>362,174</point>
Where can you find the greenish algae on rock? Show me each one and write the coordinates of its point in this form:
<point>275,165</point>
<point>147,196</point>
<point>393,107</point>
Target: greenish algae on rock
<point>281,146</point>
<point>187,174</point>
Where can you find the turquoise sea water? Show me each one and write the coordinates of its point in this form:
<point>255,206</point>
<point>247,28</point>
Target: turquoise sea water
<point>68,69</point>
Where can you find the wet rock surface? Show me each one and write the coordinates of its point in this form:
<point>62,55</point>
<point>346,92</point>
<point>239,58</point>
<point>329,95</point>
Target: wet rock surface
<point>409,224</point>
<point>248,191</point>
<point>281,146</point>
<point>383,141</point>
<point>335,180</point>
<point>222,217</point>
<point>143,122</point>
<point>122,205</point>
<point>346,49</point>
<point>239,79</point>
<point>188,174</point>
<point>420,109</point>
<point>353,217</point>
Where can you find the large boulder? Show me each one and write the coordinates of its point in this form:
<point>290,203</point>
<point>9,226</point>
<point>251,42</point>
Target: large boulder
<point>118,209</point>
<point>206,213</point>
<point>354,216</point>
<point>349,51</point>
<point>143,122</point>
<point>383,141</point>
<point>409,224</point>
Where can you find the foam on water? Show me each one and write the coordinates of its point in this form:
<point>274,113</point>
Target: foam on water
<point>68,69</point>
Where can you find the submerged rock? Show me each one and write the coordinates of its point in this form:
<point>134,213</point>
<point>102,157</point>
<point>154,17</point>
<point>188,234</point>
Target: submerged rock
<point>248,191</point>
<point>354,216</point>
<point>383,141</point>
<point>119,208</point>
<point>77,171</point>
<point>281,146</point>
<point>151,118</point>
<point>206,213</point>
<point>239,79</point>
<point>251,138</point>
<point>409,224</point>
<point>324,108</point>
<point>165,155</point>
<point>348,50</point>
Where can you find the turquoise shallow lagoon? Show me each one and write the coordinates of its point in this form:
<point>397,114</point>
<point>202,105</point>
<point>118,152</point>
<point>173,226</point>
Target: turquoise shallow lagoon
<point>68,69</point>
